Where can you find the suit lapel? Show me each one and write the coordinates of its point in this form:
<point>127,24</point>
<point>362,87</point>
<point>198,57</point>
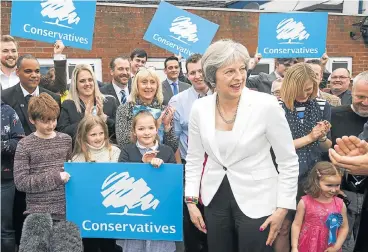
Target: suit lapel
<point>23,106</point>
<point>130,85</point>
<point>111,91</point>
<point>211,130</point>
<point>168,88</point>
<point>241,122</point>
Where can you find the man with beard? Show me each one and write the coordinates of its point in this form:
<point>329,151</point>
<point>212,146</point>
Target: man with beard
<point>340,81</point>
<point>18,96</point>
<point>9,56</point>
<point>120,86</point>
<point>195,240</point>
<point>348,120</point>
<point>263,82</point>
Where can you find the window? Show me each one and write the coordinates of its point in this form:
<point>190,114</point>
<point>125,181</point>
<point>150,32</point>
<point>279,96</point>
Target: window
<point>264,66</point>
<point>339,62</point>
<point>46,64</point>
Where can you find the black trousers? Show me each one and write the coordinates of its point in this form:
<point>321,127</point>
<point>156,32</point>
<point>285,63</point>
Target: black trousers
<point>18,216</point>
<point>228,229</point>
<point>99,245</point>
<point>194,240</point>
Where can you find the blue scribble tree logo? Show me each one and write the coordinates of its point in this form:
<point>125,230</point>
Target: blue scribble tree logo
<point>60,10</point>
<point>122,191</point>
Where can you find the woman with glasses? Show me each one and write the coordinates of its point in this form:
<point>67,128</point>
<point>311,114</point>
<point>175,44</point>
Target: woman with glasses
<point>147,95</point>
<point>84,99</point>
<point>309,120</point>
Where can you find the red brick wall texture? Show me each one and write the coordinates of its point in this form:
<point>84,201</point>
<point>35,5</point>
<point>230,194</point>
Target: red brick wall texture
<point>119,29</point>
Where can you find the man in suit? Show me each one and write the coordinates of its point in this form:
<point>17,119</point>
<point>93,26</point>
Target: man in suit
<point>172,86</point>
<point>263,82</point>
<point>28,71</point>
<point>316,65</point>
<point>18,96</point>
<point>340,82</point>
<point>121,83</point>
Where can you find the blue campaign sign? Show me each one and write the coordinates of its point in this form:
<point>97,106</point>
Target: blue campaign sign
<point>126,200</point>
<point>71,21</point>
<point>292,35</point>
<point>179,31</point>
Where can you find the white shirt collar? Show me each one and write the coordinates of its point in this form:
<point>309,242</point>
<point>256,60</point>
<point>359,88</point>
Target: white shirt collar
<point>25,92</point>
<point>8,81</point>
<point>118,90</point>
<point>155,147</point>
<point>171,82</point>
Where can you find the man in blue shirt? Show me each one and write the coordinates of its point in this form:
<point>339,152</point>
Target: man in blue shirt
<point>194,240</point>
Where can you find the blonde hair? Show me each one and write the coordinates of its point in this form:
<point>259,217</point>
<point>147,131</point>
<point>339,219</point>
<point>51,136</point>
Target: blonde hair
<point>144,73</point>
<point>294,82</point>
<point>84,126</point>
<point>73,91</point>
<point>320,170</point>
<point>134,124</point>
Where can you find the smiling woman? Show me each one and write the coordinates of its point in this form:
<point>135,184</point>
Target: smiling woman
<point>85,99</point>
<point>241,190</point>
<point>147,95</point>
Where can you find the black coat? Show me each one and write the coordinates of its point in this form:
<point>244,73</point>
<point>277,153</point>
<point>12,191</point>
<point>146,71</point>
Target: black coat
<point>70,118</point>
<point>13,96</point>
<point>130,153</point>
<point>108,89</point>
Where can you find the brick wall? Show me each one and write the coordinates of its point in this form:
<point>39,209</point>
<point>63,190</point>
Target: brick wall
<point>119,29</point>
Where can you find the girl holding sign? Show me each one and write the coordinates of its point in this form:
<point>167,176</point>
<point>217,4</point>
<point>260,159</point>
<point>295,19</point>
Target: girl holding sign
<point>147,149</point>
<point>320,223</point>
<point>92,145</point>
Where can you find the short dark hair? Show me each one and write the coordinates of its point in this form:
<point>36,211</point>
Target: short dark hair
<point>314,62</point>
<point>170,58</point>
<point>286,60</point>
<point>43,107</point>
<point>138,52</point>
<point>25,56</point>
<point>194,58</point>
<point>112,62</point>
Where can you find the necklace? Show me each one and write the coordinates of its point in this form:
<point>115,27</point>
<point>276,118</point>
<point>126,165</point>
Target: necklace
<point>221,115</point>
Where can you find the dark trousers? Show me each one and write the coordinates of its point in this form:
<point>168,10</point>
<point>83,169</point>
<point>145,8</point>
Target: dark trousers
<point>18,214</point>
<point>7,230</point>
<point>99,245</point>
<point>194,240</point>
<point>229,229</point>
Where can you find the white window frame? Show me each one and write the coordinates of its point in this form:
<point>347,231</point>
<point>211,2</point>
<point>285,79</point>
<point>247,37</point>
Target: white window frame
<point>331,60</point>
<point>97,63</point>
<point>270,62</point>
<point>158,65</point>
<point>348,60</point>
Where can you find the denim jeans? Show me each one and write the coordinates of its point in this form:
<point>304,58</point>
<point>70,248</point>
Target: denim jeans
<point>7,231</point>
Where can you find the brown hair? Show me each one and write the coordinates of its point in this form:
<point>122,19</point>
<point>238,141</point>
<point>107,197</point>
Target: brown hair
<point>8,38</point>
<point>85,125</point>
<point>43,107</point>
<point>134,124</point>
<point>294,82</point>
<point>320,170</point>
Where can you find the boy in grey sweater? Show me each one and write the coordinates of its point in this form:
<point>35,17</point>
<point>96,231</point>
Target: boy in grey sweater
<point>39,160</point>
